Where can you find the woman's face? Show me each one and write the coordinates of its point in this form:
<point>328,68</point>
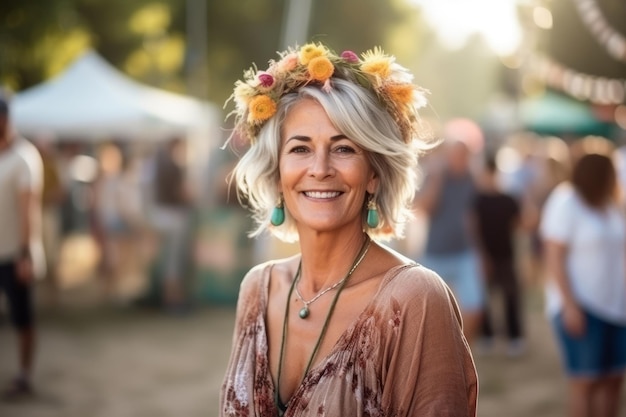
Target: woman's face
<point>324,176</point>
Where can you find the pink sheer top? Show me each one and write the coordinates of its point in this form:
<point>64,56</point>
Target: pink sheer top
<point>404,355</point>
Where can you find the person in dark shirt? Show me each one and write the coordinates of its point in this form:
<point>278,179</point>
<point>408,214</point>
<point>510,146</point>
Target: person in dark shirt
<point>172,214</point>
<point>497,217</point>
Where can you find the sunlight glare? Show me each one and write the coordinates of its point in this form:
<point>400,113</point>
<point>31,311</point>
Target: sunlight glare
<point>456,20</point>
<point>542,17</point>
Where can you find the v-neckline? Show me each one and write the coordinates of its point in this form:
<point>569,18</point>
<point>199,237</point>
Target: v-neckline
<point>341,341</point>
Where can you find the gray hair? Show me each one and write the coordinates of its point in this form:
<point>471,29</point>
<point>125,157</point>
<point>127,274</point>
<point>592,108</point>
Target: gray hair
<point>359,115</point>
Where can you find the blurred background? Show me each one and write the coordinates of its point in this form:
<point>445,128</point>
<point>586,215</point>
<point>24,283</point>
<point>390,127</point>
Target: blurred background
<point>116,93</point>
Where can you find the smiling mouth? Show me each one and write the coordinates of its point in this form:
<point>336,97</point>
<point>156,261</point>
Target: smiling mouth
<point>322,194</point>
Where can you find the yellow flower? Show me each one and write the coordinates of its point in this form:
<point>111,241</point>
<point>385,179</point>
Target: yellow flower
<point>320,68</point>
<point>310,51</point>
<point>260,109</point>
<point>375,62</point>
<point>400,93</point>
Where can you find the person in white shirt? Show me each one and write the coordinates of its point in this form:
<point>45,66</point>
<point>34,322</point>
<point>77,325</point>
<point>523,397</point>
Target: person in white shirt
<point>21,252</point>
<point>584,232</point>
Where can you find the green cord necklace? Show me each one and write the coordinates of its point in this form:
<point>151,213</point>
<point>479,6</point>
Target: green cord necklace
<point>362,252</point>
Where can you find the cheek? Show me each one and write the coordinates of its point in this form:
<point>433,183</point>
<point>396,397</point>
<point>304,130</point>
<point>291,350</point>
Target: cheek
<point>288,172</point>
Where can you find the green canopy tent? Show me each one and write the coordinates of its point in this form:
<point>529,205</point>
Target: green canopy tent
<point>559,115</point>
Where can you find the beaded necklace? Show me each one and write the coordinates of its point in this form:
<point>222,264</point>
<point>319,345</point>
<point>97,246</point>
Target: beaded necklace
<point>304,311</point>
<point>279,404</point>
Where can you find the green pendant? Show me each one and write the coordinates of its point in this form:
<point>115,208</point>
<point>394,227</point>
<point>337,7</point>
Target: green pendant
<point>278,216</point>
<point>304,312</point>
<point>372,218</point>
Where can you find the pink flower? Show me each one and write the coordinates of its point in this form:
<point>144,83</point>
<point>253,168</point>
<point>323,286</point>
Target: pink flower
<point>288,63</point>
<point>350,56</point>
<point>266,79</point>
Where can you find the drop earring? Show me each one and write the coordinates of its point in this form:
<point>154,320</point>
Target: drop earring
<point>372,214</point>
<point>278,214</point>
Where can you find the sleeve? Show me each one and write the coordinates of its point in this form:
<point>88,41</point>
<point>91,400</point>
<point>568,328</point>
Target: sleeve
<point>31,177</point>
<point>429,370</point>
<point>247,298</point>
<point>25,176</point>
<point>557,217</point>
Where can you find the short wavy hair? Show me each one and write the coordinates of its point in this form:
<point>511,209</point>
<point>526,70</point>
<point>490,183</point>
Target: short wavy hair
<point>359,115</point>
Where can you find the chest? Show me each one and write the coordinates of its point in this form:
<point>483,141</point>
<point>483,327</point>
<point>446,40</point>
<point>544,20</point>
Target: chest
<point>308,343</point>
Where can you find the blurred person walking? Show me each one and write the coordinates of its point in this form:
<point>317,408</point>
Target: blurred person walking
<point>52,197</point>
<point>497,219</point>
<point>447,199</point>
<point>21,251</point>
<point>172,214</point>
<point>116,211</point>
<point>584,232</point>
<point>553,169</point>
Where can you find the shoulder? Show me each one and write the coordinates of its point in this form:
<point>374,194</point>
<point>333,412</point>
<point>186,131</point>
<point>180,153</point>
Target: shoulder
<point>417,286</point>
<point>511,202</point>
<point>258,277</point>
<point>252,282</point>
<point>16,162</point>
<point>562,194</point>
<point>29,153</point>
<point>415,302</point>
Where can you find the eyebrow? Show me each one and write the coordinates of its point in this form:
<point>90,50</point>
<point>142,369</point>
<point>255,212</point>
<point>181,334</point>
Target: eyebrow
<point>308,139</point>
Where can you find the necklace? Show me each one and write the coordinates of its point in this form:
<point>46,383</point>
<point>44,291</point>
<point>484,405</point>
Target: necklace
<point>304,311</point>
<point>277,401</point>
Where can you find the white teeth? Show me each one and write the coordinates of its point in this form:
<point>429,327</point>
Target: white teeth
<point>322,194</point>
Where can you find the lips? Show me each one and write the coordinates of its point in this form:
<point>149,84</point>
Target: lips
<point>322,194</point>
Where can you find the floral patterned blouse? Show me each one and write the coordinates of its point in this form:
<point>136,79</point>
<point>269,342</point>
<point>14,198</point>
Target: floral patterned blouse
<point>405,355</point>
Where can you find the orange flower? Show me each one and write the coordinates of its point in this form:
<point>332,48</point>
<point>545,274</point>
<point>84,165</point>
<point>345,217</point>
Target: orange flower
<point>400,93</point>
<point>260,109</point>
<point>320,68</point>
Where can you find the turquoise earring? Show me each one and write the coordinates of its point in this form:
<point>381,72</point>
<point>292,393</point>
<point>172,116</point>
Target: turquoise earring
<point>278,214</point>
<point>372,214</point>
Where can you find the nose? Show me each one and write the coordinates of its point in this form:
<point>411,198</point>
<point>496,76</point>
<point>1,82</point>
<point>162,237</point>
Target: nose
<point>321,164</point>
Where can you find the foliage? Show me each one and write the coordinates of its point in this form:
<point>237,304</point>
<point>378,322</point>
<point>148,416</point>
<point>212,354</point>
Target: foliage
<point>147,38</point>
<point>40,38</point>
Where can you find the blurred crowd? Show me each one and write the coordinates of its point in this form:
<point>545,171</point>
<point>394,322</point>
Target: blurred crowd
<point>136,203</point>
<point>138,225</point>
<point>527,212</point>
<point>125,215</point>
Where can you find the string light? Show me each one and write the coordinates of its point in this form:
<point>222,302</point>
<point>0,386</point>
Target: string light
<point>585,87</point>
<point>612,41</point>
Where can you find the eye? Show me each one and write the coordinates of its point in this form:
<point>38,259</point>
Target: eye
<point>345,149</point>
<point>298,149</point>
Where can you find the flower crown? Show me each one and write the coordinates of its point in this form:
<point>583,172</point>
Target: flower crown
<point>256,96</point>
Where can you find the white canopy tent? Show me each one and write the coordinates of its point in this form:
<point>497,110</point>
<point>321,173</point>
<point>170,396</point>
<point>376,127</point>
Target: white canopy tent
<point>92,101</point>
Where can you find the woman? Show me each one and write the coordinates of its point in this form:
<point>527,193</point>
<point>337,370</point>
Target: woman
<point>585,241</point>
<point>347,327</point>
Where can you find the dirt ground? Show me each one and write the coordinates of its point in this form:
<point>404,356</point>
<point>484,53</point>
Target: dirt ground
<point>112,361</point>
<point>108,359</point>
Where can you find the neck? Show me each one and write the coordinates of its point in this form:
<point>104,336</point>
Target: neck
<point>490,186</point>
<point>327,257</point>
